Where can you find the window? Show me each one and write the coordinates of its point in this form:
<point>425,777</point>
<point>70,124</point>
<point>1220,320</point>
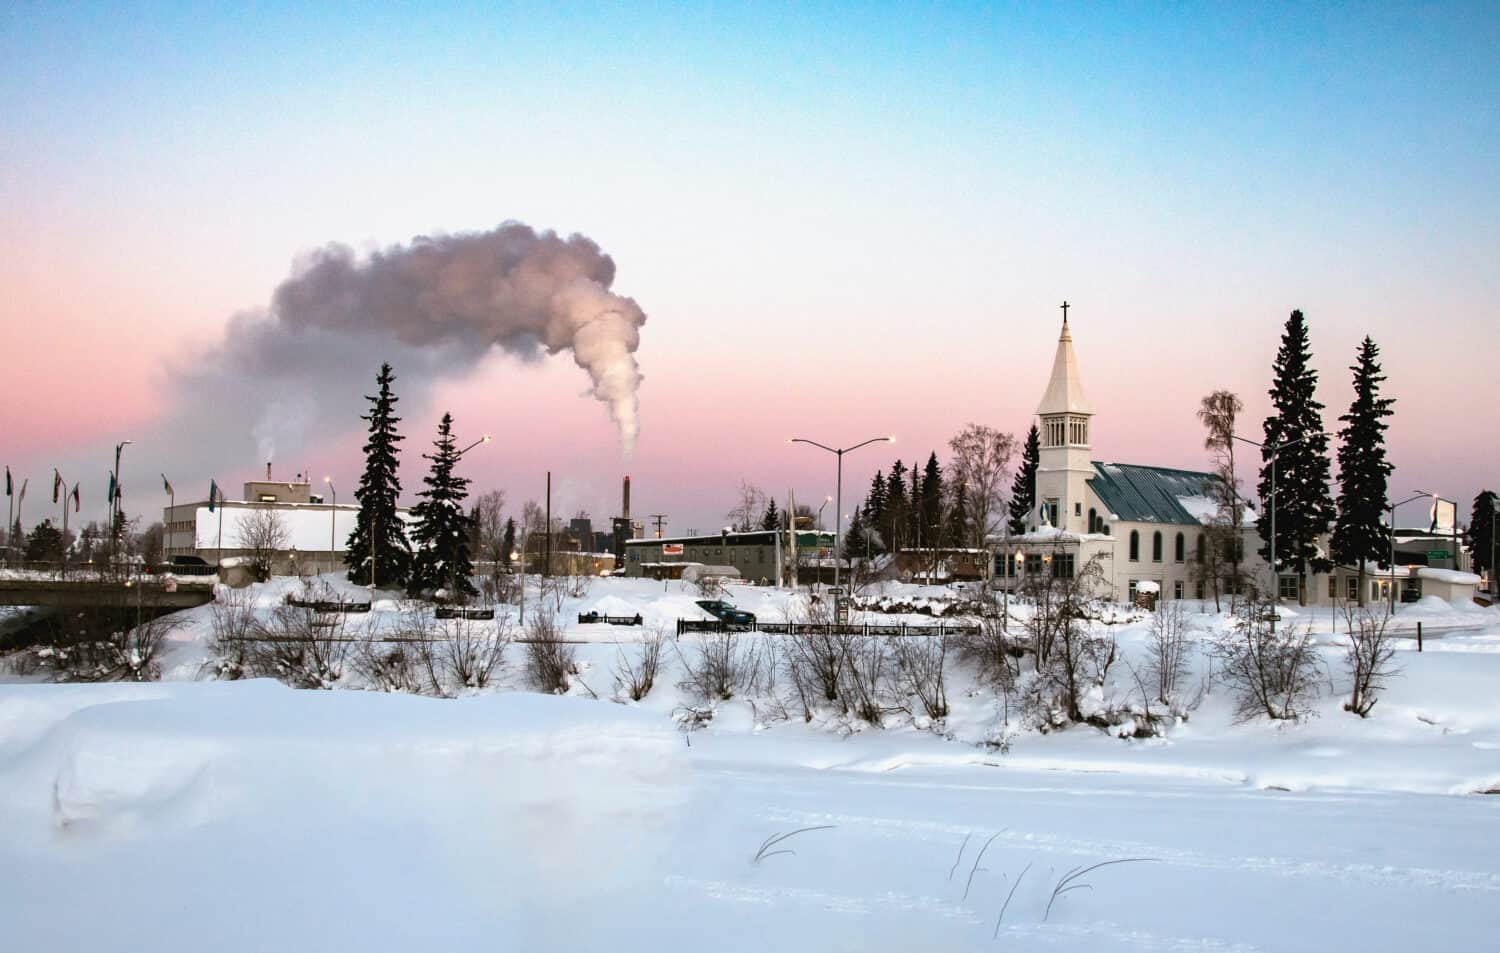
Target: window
<point>1375,589</point>
<point>1077,509</point>
<point>1179,550</point>
<point>1130,591</point>
<point>1287,587</point>
<point>1052,511</point>
<point>1062,566</point>
<point>1199,590</point>
<point>1135,553</point>
<point>1333,587</point>
<point>1093,520</point>
<point>1156,546</point>
<point>1177,589</point>
<point>1352,589</point>
<point>1200,551</point>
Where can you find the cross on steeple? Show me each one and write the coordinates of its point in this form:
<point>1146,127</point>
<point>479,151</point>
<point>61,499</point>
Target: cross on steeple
<point>1065,307</point>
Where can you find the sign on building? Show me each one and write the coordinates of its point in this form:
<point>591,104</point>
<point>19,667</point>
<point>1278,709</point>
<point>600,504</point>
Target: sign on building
<point>671,549</point>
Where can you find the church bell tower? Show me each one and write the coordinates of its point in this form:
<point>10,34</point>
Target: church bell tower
<point>1065,468</point>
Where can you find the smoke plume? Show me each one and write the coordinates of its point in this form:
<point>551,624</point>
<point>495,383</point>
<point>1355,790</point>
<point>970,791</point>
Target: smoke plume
<point>434,308</point>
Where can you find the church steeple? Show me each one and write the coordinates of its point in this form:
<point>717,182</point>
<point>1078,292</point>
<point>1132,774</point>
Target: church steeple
<point>1064,394</point>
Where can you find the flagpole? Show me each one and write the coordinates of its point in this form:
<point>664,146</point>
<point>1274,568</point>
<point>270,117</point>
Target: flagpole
<point>20,503</point>
<point>10,517</point>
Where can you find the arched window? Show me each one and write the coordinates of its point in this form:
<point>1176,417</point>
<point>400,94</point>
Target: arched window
<point>1156,546</point>
<point>1093,520</point>
<point>1201,554</point>
<point>1135,546</point>
<point>1179,553</point>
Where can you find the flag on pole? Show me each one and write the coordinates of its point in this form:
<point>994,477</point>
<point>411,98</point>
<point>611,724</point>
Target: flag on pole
<point>167,485</point>
<point>57,485</point>
<point>75,498</point>
<point>113,490</point>
<point>7,481</point>
<point>213,493</point>
<point>21,497</point>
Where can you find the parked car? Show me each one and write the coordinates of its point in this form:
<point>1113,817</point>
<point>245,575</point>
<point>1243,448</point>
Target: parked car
<point>725,612</point>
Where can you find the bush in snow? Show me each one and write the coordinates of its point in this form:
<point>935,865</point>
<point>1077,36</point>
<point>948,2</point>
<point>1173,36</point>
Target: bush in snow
<point>1272,671</point>
<point>722,665</point>
<point>637,679</point>
<point>1072,656</point>
<point>474,651</point>
<point>921,661</point>
<point>865,682</point>
<point>995,650</point>
<point>1168,648</point>
<point>549,661</point>
<point>232,629</point>
<point>301,647</point>
<point>1369,657</point>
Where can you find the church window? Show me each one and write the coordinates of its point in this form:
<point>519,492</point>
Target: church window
<point>1135,547</point>
<point>1077,509</point>
<point>1156,547</point>
<point>1093,520</point>
<point>1179,547</point>
<point>1201,553</point>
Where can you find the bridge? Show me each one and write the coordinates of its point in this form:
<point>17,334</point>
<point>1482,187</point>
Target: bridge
<point>89,593</point>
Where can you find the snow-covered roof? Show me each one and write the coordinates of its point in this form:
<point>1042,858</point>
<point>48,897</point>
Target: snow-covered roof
<point>1455,576</point>
<point>1141,494</point>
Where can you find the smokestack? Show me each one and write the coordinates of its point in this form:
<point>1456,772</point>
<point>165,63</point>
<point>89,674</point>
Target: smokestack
<point>626,513</point>
<point>268,471</point>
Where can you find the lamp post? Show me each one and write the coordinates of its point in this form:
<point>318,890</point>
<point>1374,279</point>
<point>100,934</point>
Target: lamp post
<point>839,489</point>
<point>333,511</point>
<point>1391,509</point>
<point>485,439</point>
<point>1275,451</point>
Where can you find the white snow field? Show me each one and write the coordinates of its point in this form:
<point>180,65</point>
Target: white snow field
<point>194,814</point>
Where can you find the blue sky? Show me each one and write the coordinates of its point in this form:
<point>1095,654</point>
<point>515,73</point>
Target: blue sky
<point>832,196</point>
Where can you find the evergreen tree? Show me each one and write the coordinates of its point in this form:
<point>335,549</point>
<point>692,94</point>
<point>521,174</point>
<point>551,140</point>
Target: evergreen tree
<point>441,528</point>
<point>914,511</point>
<point>932,502</point>
<point>508,541</point>
<point>378,491</point>
<point>1359,533</point>
<point>771,519</point>
<point>1023,490</point>
<point>960,533</point>
<point>875,508</point>
<point>1482,534</point>
<point>45,544</point>
<point>897,508</point>
<point>855,544</point>
<point>1304,508</point>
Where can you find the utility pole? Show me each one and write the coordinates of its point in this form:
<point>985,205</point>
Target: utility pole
<point>547,566</point>
<point>659,519</point>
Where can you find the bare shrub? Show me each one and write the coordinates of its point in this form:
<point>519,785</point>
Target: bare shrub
<point>864,683</point>
<point>304,648</point>
<point>232,628</point>
<point>921,660</point>
<point>1168,649</point>
<point>722,666</point>
<point>473,651</point>
<point>994,649</point>
<point>136,648</point>
<point>637,679</point>
<point>387,666</point>
<point>1369,657</point>
<point>262,534</point>
<point>1272,671</point>
<point>577,585</point>
<point>549,661</point>
<point>1072,656</point>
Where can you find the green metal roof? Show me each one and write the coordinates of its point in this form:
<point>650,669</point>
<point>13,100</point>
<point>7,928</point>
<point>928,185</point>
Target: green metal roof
<point>1141,494</point>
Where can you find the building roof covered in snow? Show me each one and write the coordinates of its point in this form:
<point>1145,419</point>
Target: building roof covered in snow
<point>1141,494</point>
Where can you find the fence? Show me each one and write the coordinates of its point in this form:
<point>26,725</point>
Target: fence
<point>901,630</point>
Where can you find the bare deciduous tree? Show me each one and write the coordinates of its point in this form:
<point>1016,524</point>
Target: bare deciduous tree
<point>1168,646</point>
<point>489,526</point>
<point>1369,656</point>
<point>549,661</point>
<point>749,503</point>
<point>636,679</point>
<point>922,662</point>
<point>262,534</point>
<point>981,462</point>
<point>1072,656</point>
<point>1218,412</point>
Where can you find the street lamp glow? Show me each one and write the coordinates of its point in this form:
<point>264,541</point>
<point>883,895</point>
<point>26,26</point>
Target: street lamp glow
<point>838,527</point>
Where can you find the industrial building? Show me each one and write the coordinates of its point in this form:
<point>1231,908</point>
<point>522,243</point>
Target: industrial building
<point>755,554</point>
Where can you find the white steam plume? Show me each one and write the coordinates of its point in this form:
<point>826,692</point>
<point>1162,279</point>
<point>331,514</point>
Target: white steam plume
<point>433,308</point>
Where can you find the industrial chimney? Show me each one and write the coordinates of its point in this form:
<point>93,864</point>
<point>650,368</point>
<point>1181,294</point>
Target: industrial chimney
<point>268,471</point>
<point>625,513</point>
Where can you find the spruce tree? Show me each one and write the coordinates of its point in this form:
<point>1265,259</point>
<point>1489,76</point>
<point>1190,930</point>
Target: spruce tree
<point>1359,532</point>
<point>771,519</point>
<point>960,533</point>
<point>932,501</point>
<point>1304,507</point>
<point>876,505</point>
<point>1023,490</point>
<point>441,528</point>
<point>508,541</point>
<point>378,491</point>
<point>897,508</point>
<point>915,531</point>
<point>1482,534</point>
<point>855,544</point>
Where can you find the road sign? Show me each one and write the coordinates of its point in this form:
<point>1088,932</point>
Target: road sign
<point>1437,554</point>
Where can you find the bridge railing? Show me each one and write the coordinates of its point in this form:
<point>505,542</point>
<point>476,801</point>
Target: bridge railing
<point>896,630</point>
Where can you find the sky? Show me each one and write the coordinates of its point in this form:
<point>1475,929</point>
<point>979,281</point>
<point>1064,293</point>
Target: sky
<point>840,221</point>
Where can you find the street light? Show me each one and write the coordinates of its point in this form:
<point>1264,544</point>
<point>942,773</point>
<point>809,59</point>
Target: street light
<point>839,488</point>
<point>1391,509</point>
<point>485,439</point>
<point>1275,450</point>
<point>332,516</point>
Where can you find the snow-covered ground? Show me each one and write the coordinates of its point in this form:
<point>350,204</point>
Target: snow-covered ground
<point>194,813</point>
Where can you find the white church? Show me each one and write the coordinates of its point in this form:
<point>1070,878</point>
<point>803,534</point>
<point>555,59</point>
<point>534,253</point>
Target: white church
<point>1147,525</point>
